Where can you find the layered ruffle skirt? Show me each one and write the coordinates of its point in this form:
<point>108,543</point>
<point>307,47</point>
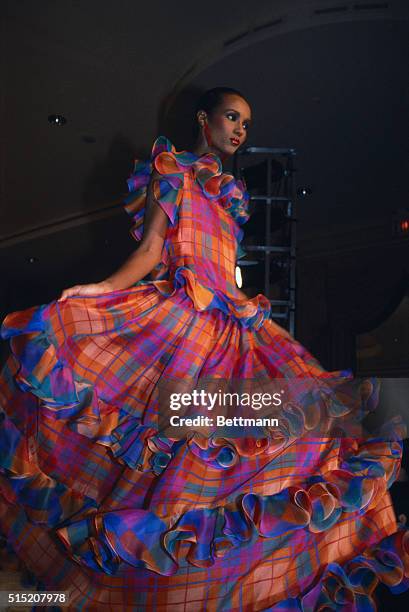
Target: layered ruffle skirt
<point>99,504</point>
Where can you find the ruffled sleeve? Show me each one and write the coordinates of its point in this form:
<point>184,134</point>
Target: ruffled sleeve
<point>171,165</point>
<point>236,202</point>
<point>167,188</point>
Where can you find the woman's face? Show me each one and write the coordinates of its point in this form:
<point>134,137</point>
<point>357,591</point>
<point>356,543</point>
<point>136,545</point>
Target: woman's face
<point>225,130</point>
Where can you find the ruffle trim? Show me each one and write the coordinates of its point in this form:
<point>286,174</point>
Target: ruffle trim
<point>45,500</point>
<point>152,541</point>
<point>249,313</point>
<point>350,587</point>
<point>216,185</point>
<point>224,190</point>
<point>363,477</point>
<point>40,371</point>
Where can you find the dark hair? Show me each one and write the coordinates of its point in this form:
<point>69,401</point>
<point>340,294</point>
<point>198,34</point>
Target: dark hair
<point>212,98</point>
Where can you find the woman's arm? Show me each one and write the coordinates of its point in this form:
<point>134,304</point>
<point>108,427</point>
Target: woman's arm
<point>149,253</point>
<point>139,263</point>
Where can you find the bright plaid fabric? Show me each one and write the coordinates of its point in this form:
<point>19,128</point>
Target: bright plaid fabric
<point>97,503</point>
<point>205,208</point>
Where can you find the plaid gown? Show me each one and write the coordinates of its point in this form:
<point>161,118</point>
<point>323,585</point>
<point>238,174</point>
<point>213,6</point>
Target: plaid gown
<point>98,504</point>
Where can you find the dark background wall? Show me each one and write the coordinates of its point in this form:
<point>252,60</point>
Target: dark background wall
<point>328,79</point>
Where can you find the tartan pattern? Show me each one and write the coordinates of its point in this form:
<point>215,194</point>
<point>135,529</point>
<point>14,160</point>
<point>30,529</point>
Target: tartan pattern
<point>96,502</point>
<point>206,208</point>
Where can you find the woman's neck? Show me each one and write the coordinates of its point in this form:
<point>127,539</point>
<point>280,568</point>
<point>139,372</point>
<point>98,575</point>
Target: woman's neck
<point>201,148</point>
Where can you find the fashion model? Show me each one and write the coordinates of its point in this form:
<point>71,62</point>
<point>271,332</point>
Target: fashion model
<point>102,499</point>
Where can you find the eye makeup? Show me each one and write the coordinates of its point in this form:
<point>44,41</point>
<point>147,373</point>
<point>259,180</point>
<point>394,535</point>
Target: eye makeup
<point>236,114</point>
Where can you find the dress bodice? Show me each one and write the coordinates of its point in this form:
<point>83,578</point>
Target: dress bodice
<point>206,208</point>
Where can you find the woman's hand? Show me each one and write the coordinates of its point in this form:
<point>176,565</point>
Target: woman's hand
<point>86,290</point>
<point>140,262</point>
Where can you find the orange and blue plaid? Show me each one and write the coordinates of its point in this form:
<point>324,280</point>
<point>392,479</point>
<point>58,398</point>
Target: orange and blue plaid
<point>98,504</point>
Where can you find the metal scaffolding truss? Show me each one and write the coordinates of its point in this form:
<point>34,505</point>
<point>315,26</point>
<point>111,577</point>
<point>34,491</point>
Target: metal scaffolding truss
<point>275,195</point>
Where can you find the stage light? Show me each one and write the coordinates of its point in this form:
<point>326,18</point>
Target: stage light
<point>303,192</point>
<point>400,223</point>
<point>57,120</point>
<point>404,226</point>
<point>239,278</point>
<point>251,273</point>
